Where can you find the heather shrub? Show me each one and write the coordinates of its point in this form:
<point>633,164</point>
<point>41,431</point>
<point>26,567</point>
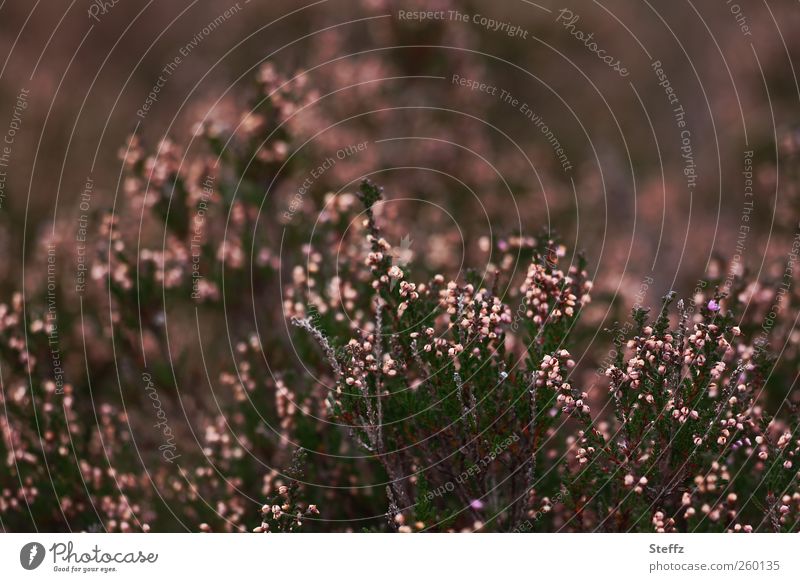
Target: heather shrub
<point>164,252</point>
<point>471,407</point>
<point>691,446</point>
<point>60,466</point>
<point>428,378</point>
<point>409,395</point>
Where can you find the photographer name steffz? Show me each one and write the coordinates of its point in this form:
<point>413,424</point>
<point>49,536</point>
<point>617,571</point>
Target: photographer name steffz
<point>670,549</point>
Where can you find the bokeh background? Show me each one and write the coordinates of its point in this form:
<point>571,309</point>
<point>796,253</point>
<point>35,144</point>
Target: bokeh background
<point>87,79</point>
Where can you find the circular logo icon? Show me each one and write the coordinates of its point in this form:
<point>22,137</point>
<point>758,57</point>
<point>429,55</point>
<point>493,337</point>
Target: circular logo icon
<point>31,555</point>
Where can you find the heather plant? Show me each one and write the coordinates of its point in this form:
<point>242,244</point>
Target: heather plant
<point>471,408</point>
<point>59,468</point>
<point>425,379</point>
<point>691,446</point>
<point>409,396</point>
<point>75,459</point>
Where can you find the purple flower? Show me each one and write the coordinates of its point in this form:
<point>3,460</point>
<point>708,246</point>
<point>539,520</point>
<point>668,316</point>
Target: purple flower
<point>476,504</point>
<point>713,305</point>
